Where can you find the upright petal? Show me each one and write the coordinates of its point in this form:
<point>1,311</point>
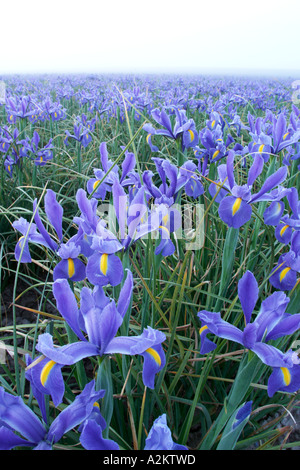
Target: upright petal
<point>67,305</point>
<point>54,212</point>
<point>160,437</point>
<point>256,169</point>
<point>248,294</point>
<point>125,294</point>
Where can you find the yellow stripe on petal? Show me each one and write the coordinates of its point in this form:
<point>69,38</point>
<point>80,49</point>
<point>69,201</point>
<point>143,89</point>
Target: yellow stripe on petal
<point>46,371</point>
<point>203,328</point>
<point>155,355</point>
<point>261,147</point>
<point>191,134</point>
<point>165,219</point>
<point>215,154</point>
<point>236,205</point>
<point>165,229</point>
<point>147,138</point>
<point>71,267</point>
<point>284,273</point>
<point>286,376</point>
<point>285,135</point>
<point>283,230</point>
<point>278,208</point>
<point>213,123</point>
<point>95,185</point>
<point>103,263</point>
<point>20,239</point>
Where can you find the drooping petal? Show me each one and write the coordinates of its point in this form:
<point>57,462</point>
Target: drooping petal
<point>154,361</point>
<point>16,415</point>
<point>234,211</point>
<point>22,252</point>
<point>287,326</point>
<point>9,440</point>
<point>73,269</point>
<point>148,344</point>
<point>136,211</point>
<point>206,344</point>
<point>284,379</point>
<point>273,213</point>
<point>47,378</point>
<point>103,269</point>
<point>220,327</point>
<point>271,356</point>
<point>283,277</point>
<point>75,413</point>
<point>91,437</point>
<point>283,233</point>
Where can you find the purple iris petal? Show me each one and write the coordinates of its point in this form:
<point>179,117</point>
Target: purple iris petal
<point>9,440</point>
<point>255,170</point>
<point>52,244</point>
<point>234,211</point>
<point>54,212</point>
<point>283,278</point>
<point>63,270</point>
<point>67,306</point>
<point>91,437</point>
<point>283,233</point>
<point>125,294</point>
<point>16,415</point>
<point>287,326</point>
<point>230,169</point>
<point>220,327</point>
<point>271,356</point>
<point>248,294</point>
<point>160,437</point>
<point>243,413</point>
<point>75,413</point>
<point>274,180</point>
<point>102,271</point>
<point>284,380</point>
<point>273,213</point>
<point>53,384</point>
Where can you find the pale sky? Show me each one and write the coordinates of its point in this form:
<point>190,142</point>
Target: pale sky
<point>64,36</point>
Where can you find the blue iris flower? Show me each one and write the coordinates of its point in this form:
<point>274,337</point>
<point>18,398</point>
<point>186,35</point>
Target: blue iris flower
<point>236,200</point>
<point>20,426</point>
<point>96,324</point>
<point>271,323</point>
<point>184,129</point>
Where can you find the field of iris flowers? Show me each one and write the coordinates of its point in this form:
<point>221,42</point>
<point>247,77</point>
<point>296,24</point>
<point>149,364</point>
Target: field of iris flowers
<point>156,222</point>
